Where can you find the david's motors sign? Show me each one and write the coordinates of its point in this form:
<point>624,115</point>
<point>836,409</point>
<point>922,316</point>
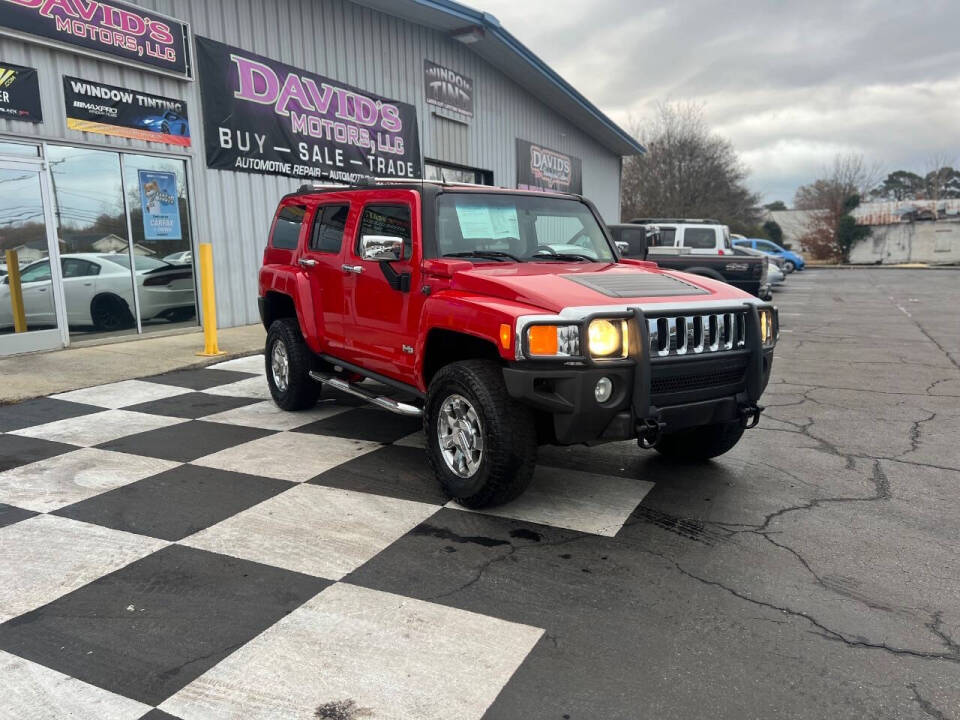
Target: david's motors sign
<point>540,168</point>
<point>108,28</point>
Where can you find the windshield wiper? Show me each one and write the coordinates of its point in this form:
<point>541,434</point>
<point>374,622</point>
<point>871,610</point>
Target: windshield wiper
<point>566,256</point>
<point>485,254</point>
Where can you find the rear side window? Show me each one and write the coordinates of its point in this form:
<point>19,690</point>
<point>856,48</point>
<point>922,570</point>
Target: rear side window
<point>75,267</point>
<point>386,220</point>
<point>667,236</point>
<point>328,228</point>
<point>700,238</point>
<point>286,231</point>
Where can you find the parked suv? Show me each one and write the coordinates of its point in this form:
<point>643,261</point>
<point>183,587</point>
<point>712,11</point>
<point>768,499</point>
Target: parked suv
<point>791,260</point>
<point>700,237</point>
<point>507,319</point>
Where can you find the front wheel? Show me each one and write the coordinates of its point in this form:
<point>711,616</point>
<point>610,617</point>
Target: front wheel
<point>288,364</point>
<point>700,443</point>
<point>481,443</point>
<point>789,267</point>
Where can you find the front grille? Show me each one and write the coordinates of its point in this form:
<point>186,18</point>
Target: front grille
<point>700,381</point>
<point>697,334</point>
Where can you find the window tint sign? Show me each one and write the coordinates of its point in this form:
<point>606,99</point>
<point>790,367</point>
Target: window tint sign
<point>263,116</point>
<point>112,28</point>
<point>448,89</point>
<point>160,205</point>
<point>19,93</point>
<point>543,169</point>
<point>110,110</point>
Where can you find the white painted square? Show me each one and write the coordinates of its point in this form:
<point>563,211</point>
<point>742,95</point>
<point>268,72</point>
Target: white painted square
<point>255,387</point>
<point>597,504</point>
<point>249,364</point>
<point>396,657</point>
<point>316,530</point>
<point>35,692</point>
<point>96,428</point>
<point>288,456</point>
<point>268,416</point>
<point>45,557</point>
<point>121,394</point>
<point>65,479</point>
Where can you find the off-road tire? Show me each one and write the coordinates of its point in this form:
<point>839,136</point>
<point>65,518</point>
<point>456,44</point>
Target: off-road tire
<point>111,313</point>
<point>509,435</point>
<point>700,443</point>
<point>301,392</point>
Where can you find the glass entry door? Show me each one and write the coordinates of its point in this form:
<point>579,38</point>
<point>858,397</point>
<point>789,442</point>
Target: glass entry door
<point>31,302</point>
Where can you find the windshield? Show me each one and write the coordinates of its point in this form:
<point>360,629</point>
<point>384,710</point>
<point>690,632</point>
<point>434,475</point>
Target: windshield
<point>518,227</point>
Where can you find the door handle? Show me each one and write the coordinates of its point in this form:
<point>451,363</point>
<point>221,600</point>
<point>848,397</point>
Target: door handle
<point>356,269</point>
<point>306,262</point>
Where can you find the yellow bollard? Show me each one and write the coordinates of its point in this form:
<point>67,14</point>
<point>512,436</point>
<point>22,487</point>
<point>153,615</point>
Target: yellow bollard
<point>209,303</point>
<point>16,292</point>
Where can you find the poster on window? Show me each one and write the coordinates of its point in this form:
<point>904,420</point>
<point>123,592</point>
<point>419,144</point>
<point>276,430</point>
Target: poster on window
<point>542,169</point>
<point>262,116</point>
<point>19,93</point>
<point>109,110</point>
<point>160,205</point>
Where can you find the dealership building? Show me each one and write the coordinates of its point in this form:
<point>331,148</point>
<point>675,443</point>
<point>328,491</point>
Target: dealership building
<point>132,132</point>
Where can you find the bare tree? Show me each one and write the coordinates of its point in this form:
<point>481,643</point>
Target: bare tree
<point>687,171</point>
<point>938,179</point>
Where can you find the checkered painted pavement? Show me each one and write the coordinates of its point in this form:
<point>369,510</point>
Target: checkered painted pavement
<point>179,547</point>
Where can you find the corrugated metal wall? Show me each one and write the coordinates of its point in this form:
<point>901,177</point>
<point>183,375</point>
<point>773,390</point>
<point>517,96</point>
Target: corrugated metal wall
<point>346,42</point>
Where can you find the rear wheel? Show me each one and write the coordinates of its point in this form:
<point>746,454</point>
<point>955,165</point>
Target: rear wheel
<point>481,443</point>
<point>111,313</point>
<point>700,443</point>
<point>288,364</point>
<point>788,266</point>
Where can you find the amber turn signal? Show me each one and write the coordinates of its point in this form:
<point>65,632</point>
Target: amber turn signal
<point>505,334</point>
<point>542,339</point>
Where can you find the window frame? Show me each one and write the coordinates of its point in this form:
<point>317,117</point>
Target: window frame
<point>407,246</point>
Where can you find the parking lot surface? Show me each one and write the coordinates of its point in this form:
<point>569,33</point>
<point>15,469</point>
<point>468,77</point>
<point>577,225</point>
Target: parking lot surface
<point>178,543</point>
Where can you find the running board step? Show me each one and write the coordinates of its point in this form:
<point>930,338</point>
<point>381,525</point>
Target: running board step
<point>378,400</point>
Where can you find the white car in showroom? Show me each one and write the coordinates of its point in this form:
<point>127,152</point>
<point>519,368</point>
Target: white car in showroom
<point>99,293</point>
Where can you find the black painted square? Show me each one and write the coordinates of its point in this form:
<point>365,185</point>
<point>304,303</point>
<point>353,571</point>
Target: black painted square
<point>365,424</point>
<point>192,405</point>
<point>199,379</point>
<point>40,412</point>
<point>175,503</point>
<point>149,629</point>
<point>186,441</point>
<point>394,471</point>
<point>16,451</point>
<point>10,514</point>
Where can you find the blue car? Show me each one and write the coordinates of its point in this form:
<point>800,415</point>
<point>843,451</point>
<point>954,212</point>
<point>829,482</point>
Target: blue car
<point>169,123</point>
<point>791,260</point>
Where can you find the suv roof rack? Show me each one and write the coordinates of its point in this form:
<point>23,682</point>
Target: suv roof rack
<point>702,221</point>
<point>366,183</point>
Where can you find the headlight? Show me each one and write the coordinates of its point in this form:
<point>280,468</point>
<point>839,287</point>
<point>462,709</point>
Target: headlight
<point>553,341</point>
<point>607,338</point>
<point>768,327</point>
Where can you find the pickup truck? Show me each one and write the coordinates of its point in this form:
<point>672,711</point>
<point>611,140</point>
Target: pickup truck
<point>506,319</point>
<point>648,242</point>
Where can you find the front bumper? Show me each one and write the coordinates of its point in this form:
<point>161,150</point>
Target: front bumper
<point>671,393</point>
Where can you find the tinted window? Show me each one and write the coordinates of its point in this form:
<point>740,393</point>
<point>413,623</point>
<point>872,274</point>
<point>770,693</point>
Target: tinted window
<point>667,236</point>
<point>700,238</point>
<point>74,267</point>
<point>393,220</point>
<point>286,231</point>
<point>328,228</point>
<point>634,238</point>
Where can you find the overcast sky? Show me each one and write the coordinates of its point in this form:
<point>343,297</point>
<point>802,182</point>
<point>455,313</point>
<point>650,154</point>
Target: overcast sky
<point>790,82</point>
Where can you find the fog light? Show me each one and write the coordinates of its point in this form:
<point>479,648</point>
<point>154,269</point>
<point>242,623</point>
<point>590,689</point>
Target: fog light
<point>603,389</point>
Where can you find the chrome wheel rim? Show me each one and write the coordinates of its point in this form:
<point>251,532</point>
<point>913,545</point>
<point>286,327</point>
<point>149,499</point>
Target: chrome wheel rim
<point>460,435</point>
<point>280,366</point>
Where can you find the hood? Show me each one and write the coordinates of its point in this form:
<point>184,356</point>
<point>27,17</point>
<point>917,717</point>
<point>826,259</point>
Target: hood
<point>555,286</point>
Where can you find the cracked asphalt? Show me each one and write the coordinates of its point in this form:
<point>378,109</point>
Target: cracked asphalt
<point>812,572</point>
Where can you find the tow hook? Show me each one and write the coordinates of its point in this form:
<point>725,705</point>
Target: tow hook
<point>649,431</point>
<point>750,416</point>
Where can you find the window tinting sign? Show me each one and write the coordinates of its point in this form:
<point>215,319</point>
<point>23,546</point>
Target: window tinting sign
<point>19,93</point>
<point>540,168</point>
<point>114,28</point>
<point>448,89</point>
<point>110,110</point>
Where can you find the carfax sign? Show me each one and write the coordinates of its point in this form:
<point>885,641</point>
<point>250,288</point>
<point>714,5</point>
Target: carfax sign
<point>115,29</point>
<point>540,168</point>
<point>447,88</point>
<point>110,110</point>
<point>263,116</point>
<point>19,93</point>
<point>161,208</point>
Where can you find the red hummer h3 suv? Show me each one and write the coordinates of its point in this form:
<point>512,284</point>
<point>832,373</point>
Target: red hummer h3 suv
<point>507,319</point>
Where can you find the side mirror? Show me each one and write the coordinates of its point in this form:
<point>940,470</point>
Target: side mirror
<point>380,248</point>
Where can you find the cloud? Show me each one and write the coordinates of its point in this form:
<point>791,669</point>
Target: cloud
<point>790,82</point>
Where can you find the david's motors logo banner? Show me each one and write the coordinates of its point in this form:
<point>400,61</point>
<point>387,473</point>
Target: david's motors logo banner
<point>540,168</point>
<point>111,110</point>
<point>19,93</point>
<point>112,28</point>
<point>263,116</point>
<point>447,88</point>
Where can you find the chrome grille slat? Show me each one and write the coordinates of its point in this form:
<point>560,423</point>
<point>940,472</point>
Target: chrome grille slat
<point>701,334</point>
